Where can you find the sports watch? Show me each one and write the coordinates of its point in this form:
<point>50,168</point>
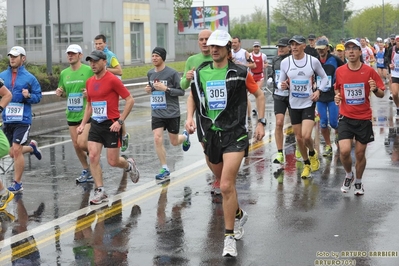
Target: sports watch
<point>262,121</point>
<point>120,121</point>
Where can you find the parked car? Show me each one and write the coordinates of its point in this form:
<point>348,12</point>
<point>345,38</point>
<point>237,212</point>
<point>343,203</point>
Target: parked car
<point>270,51</point>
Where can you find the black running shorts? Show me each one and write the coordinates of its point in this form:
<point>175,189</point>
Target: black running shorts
<point>170,124</point>
<point>101,133</point>
<point>216,143</point>
<point>361,130</point>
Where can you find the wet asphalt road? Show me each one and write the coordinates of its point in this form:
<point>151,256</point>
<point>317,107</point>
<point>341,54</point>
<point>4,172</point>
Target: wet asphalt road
<point>292,221</point>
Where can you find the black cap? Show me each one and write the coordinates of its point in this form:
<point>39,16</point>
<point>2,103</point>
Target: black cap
<point>160,51</point>
<point>312,36</point>
<point>392,36</point>
<point>283,42</point>
<point>96,55</point>
<point>298,39</point>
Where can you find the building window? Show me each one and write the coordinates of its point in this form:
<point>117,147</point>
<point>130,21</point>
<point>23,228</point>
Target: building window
<point>71,33</point>
<point>107,29</point>
<point>33,37</point>
<point>162,35</point>
<point>136,41</point>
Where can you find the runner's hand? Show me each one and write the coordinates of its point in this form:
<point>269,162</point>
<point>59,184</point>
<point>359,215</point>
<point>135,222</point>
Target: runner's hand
<point>190,126</point>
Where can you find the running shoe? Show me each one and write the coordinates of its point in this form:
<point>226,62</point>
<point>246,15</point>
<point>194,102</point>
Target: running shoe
<point>254,112</point>
<point>306,171</point>
<point>238,225</point>
<point>390,97</point>
<point>186,144</point>
<point>215,190</point>
<point>279,158</point>
<point>328,151</point>
<point>133,170</point>
<point>36,150</point>
<point>15,187</point>
<point>230,249</point>
<point>163,174</point>
<point>314,162</point>
<point>359,189</point>
<point>346,186</point>
<point>85,177</point>
<point>5,199</point>
<point>98,197</point>
<point>125,142</point>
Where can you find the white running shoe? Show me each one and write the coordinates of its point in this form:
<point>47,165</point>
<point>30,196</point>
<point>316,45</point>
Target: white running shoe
<point>99,197</point>
<point>238,225</point>
<point>359,189</point>
<point>133,170</point>
<point>346,186</point>
<point>230,249</point>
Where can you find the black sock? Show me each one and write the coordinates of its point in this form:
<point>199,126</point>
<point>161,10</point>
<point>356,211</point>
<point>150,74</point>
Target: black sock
<point>306,162</point>
<point>228,232</point>
<point>311,153</point>
<point>280,151</point>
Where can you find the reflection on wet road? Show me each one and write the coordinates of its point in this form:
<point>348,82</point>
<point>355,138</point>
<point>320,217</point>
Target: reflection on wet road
<point>291,221</point>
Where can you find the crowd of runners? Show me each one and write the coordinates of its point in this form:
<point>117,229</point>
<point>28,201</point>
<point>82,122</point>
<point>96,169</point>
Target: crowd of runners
<point>311,80</point>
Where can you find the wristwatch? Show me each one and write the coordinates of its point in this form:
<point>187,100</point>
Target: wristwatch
<point>120,121</point>
<point>262,121</point>
<point>167,90</point>
<point>375,90</point>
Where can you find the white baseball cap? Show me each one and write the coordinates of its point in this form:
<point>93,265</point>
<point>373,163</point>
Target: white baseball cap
<point>379,39</point>
<point>17,50</point>
<point>74,48</point>
<point>219,38</point>
<point>354,41</point>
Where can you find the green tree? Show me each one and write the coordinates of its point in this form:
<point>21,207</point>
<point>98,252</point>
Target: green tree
<point>321,17</point>
<point>182,9</point>
<point>250,26</point>
<point>375,22</point>
<point>3,22</point>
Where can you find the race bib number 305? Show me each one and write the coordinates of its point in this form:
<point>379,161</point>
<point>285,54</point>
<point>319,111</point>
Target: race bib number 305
<point>14,112</point>
<point>216,94</point>
<point>354,93</point>
<point>99,111</point>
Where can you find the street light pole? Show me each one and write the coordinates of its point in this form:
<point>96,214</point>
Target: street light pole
<point>203,12</point>
<point>343,19</point>
<point>48,39</point>
<point>383,20</point>
<point>24,20</point>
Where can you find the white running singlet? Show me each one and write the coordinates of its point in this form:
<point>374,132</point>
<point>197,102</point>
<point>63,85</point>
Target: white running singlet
<point>240,56</point>
<point>300,74</point>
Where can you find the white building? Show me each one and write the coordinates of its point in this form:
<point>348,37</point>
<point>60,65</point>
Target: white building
<point>132,27</point>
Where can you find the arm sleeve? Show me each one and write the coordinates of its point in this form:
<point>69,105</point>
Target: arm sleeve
<point>321,73</point>
<point>176,90</point>
<point>184,83</point>
<point>283,72</point>
<point>35,91</point>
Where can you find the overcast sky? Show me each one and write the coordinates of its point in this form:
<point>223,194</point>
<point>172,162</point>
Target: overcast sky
<point>238,8</point>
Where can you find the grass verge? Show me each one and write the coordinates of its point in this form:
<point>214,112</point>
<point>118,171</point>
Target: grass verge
<point>141,71</point>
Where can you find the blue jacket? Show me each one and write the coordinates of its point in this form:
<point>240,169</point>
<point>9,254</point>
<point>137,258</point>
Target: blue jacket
<point>23,80</point>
